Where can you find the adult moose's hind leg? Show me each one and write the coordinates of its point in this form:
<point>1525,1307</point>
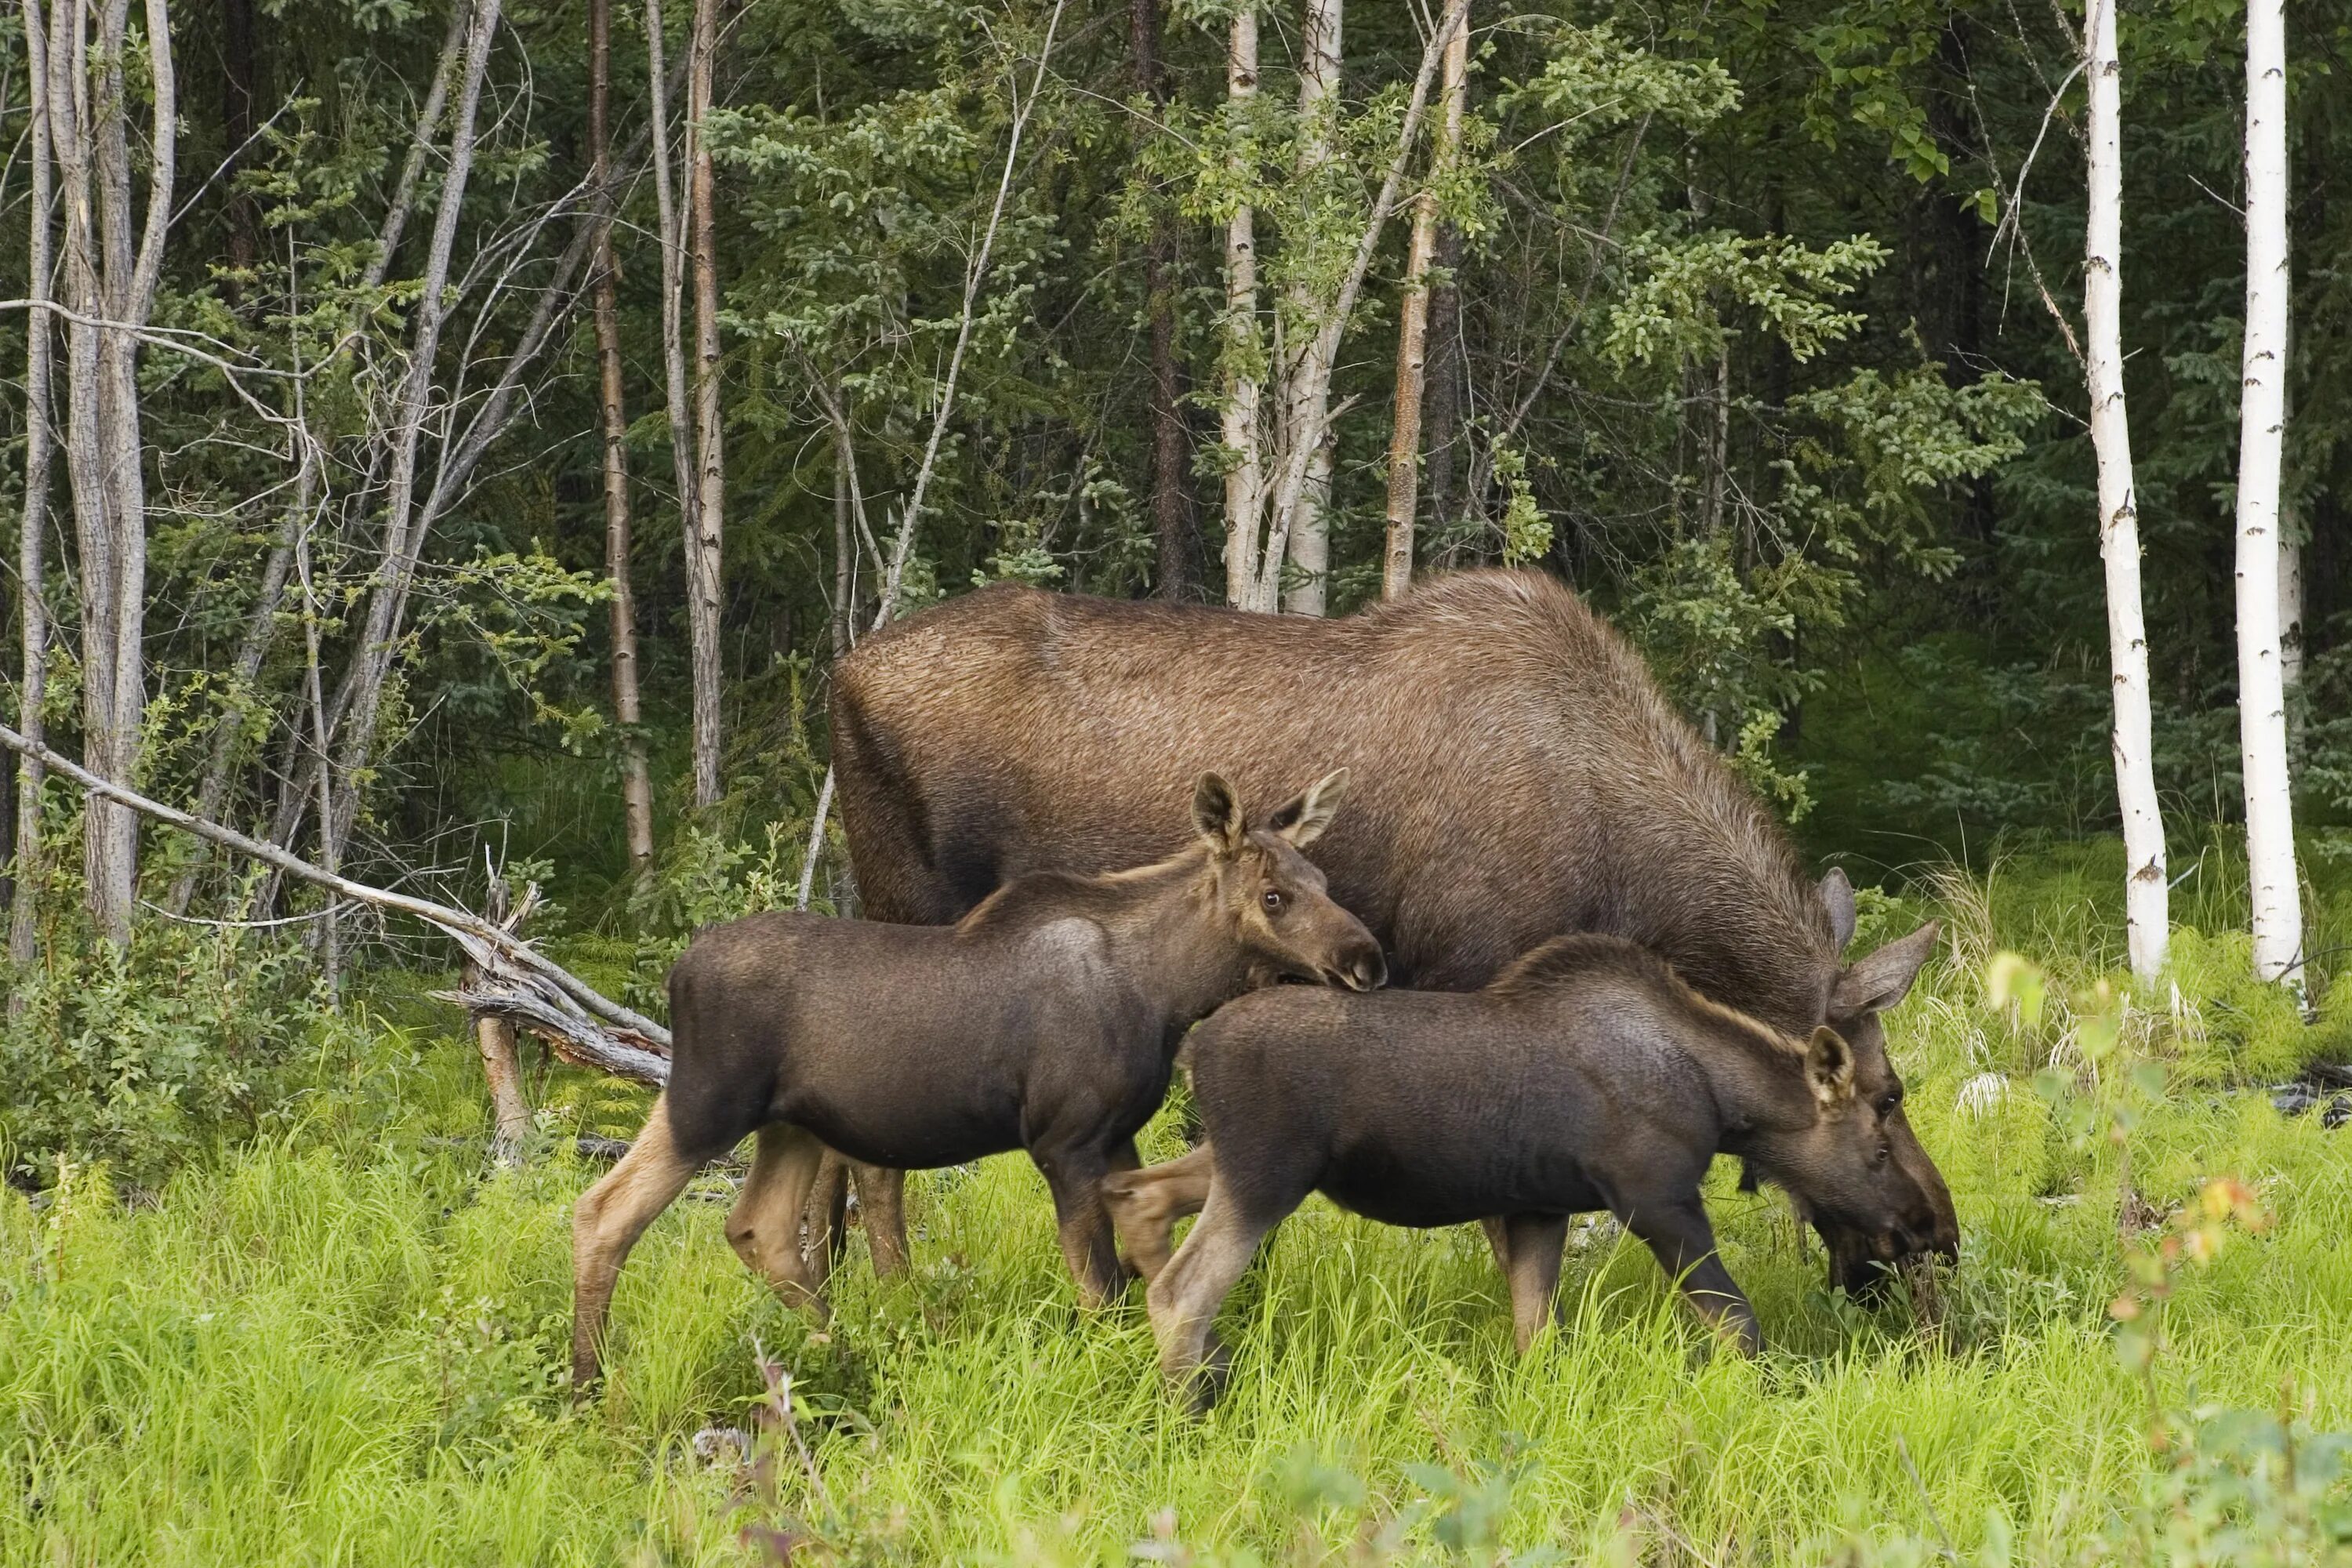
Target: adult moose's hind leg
<point>1682,1242</point>
<point>607,1222</point>
<point>1535,1241</point>
<point>764,1225</point>
<point>1146,1204</point>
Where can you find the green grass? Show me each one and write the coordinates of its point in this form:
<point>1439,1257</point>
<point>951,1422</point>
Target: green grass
<point>344,1344</point>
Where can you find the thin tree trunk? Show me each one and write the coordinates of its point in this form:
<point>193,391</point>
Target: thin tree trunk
<point>107,280</point>
<point>404,536</point>
<point>1441,382</point>
<point>2145,891</point>
<point>32,539</point>
<point>420,147</point>
<point>2262,697</point>
<point>1412,325</point>
<point>1172,458</point>
<point>240,92</point>
<point>1245,460</point>
<point>703,576</point>
<point>252,650</point>
<point>1306,379</point>
<point>848,525</point>
<point>673,223</point>
<point>636,786</point>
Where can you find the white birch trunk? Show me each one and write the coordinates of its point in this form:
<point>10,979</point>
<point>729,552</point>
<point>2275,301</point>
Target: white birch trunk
<point>1244,473</point>
<point>2145,890</point>
<point>2262,426</point>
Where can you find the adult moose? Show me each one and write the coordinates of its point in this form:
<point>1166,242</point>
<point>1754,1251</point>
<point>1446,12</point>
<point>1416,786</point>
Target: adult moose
<point>1518,775</point>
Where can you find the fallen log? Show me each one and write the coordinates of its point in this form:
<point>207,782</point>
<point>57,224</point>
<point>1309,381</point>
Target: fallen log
<point>510,978</point>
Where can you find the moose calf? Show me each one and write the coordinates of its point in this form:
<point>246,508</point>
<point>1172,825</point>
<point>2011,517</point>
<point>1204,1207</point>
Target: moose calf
<point>1586,1076</point>
<point>1047,1019</point>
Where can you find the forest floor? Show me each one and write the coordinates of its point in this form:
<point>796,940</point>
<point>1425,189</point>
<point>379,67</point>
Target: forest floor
<point>344,1342</point>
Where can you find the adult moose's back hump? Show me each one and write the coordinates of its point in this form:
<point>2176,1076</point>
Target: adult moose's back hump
<point>1520,775</point>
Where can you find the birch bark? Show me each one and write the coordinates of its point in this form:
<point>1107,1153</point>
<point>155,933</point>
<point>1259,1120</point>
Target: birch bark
<point>2145,890</point>
<point>2262,426</point>
<point>636,786</point>
<point>1245,471</point>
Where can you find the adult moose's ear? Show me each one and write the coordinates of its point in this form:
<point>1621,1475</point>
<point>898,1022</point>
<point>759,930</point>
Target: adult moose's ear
<point>1217,813</point>
<point>1303,820</point>
<point>1837,897</point>
<point>1883,979</point>
<point>1829,1067</point>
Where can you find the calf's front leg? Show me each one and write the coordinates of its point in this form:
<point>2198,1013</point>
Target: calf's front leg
<point>1089,1246</point>
<point>1682,1242</point>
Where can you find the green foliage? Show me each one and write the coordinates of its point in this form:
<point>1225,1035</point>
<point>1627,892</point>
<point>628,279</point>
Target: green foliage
<point>139,1060</point>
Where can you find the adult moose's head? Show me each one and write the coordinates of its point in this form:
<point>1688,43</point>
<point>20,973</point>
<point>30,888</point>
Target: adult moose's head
<point>1273,899</point>
<point>1860,991</point>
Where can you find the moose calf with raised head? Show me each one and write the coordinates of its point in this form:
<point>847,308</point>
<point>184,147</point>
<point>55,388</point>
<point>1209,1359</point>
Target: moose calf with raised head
<point>1047,1019</point>
<point>1587,1076</point>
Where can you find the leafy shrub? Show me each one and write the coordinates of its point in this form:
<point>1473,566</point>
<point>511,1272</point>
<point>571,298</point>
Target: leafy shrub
<point>137,1057</point>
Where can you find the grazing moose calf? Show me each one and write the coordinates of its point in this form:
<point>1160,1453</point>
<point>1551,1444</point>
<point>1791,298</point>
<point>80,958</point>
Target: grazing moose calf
<point>1047,1019</point>
<point>1586,1076</point>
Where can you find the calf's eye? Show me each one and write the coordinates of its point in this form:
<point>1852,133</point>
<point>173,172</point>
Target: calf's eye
<point>1274,901</point>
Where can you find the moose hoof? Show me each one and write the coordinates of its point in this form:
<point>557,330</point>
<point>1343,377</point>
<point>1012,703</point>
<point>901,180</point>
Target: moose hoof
<point>1204,1385</point>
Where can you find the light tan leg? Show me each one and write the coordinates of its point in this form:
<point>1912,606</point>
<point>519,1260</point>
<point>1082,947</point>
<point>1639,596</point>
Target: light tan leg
<point>1534,1243</point>
<point>828,1207</point>
<point>1146,1204</point>
<point>1499,1237</point>
<point>764,1225</point>
<point>607,1222</point>
<point>1184,1299</point>
<point>882,1209</point>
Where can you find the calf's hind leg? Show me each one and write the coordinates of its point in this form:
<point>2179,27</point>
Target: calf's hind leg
<point>607,1222</point>
<point>764,1225</point>
<point>1146,1204</point>
<point>1184,1299</point>
<point>1534,1242</point>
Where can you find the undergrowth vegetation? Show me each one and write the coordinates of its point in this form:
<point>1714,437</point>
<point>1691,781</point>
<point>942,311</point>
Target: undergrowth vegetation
<point>336,1336</point>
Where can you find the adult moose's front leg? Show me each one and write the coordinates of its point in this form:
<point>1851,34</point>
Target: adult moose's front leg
<point>1682,1242</point>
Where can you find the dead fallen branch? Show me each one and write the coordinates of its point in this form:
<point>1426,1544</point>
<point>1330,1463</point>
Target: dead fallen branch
<point>514,980</point>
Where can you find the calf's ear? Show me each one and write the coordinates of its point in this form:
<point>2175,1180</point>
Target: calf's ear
<point>1829,1067</point>
<point>1303,820</point>
<point>1883,979</point>
<point>1837,897</point>
<point>1217,813</point>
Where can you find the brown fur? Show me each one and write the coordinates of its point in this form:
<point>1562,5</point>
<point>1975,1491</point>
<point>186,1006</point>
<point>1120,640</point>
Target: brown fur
<point>1520,775</point>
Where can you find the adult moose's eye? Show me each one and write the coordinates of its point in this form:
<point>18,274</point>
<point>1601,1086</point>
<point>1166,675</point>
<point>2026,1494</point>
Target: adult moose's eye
<point>1889,1103</point>
<point>1274,901</point>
